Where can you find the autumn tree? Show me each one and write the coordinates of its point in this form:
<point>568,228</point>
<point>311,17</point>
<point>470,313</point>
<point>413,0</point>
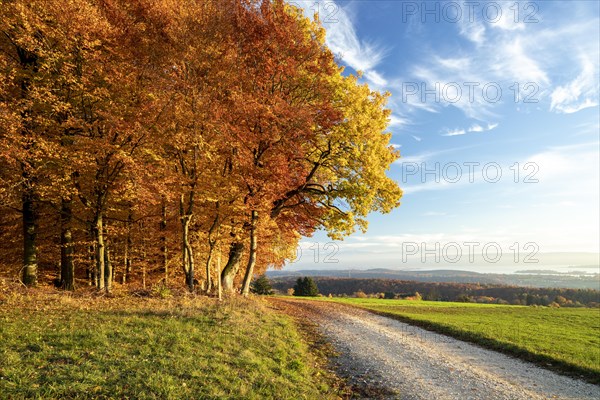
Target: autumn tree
<point>27,57</point>
<point>232,116</point>
<point>281,98</point>
<point>318,151</point>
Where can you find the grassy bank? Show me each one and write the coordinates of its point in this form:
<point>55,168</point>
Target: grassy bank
<point>52,346</point>
<point>567,339</point>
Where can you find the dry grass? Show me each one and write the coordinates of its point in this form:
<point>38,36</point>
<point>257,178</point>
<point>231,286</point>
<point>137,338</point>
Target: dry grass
<point>86,345</point>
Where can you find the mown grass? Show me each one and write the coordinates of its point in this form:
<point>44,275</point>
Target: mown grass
<point>60,347</point>
<point>567,339</point>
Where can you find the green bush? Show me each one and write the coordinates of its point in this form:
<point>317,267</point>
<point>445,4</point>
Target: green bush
<point>262,286</point>
<point>306,287</point>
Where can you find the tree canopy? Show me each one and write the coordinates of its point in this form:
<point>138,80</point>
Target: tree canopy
<point>137,136</point>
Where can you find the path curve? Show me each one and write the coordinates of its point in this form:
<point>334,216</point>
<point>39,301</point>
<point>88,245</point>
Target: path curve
<point>413,363</point>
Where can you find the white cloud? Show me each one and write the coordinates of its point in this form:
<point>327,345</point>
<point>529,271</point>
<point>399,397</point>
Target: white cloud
<point>343,40</point>
<point>474,31</point>
<point>455,132</point>
<point>456,64</point>
<point>508,53</point>
<point>578,94</point>
<point>375,78</point>
<point>396,121</point>
<point>508,21</point>
<point>516,59</point>
<point>431,155</point>
<point>445,82</point>
<point>478,128</point>
<point>475,128</point>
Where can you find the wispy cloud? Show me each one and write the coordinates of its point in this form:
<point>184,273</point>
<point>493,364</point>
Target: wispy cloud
<point>397,121</point>
<point>515,59</point>
<point>375,78</point>
<point>443,82</point>
<point>472,30</point>
<point>455,132</point>
<point>578,94</point>
<point>475,128</point>
<point>431,155</point>
<point>342,39</point>
<point>510,53</point>
<point>433,186</point>
<point>507,21</point>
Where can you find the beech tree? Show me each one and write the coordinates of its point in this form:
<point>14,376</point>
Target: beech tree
<point>222,131</point>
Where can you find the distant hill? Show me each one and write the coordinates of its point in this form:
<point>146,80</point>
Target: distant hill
<point>530,278</point>
<point>448,291</point>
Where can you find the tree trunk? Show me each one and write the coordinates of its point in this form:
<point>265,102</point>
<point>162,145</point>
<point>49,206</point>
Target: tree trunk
<point>252,257</point>
<point>126,262</point>
<point>233,265</point>
<point>211,247</point>
<point>99,236</point>
<point>188,253</point>
<point>29,62</point>
<point>108,270</point>
<point>143,253</point>
<point>127,252</point>
<point>208,262</point>
<point>114,266</point>
<point>163,238</point>
<point>91,265</point>
<point>67,267</point>
<point>29,234</point>
<point>108,267</point>
<point>219,286</point>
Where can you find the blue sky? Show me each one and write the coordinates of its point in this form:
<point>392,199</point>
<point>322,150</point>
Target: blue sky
<point>495,112</point>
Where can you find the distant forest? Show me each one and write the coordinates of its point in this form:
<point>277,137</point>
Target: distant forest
<point>444,291</point>
<point>531,278</point>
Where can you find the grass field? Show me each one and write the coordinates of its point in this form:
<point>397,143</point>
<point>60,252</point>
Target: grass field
<point>566,338</point>
<point>53,346</point>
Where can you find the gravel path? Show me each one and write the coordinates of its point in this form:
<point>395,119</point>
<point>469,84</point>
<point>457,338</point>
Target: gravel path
<point>411,363</point>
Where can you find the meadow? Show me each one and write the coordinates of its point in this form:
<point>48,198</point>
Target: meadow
<point>566,339</point>
<point>55,346</point>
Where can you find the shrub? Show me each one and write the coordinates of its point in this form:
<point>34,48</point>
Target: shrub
<point>262,286</point>
<point>305,287</point>
<point>162,291</point>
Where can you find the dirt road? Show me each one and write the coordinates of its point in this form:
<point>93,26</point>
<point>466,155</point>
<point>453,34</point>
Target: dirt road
<point>407,362</point>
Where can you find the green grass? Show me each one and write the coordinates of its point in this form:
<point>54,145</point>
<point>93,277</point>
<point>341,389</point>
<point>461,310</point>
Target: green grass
<point>567,339</point>
<point>60,347</point>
